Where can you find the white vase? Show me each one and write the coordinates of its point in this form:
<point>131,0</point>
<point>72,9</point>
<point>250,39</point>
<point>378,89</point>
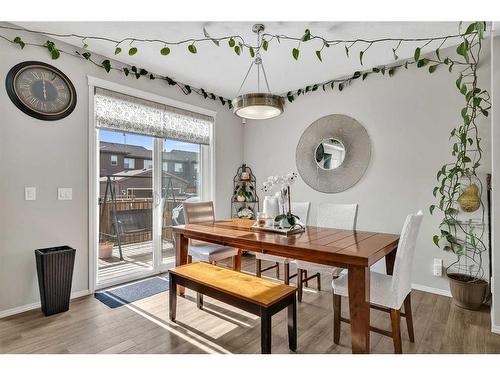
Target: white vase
<point>271,206</point>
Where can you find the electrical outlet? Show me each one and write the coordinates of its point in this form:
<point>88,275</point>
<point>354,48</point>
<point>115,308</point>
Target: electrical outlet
<point>438,267</point>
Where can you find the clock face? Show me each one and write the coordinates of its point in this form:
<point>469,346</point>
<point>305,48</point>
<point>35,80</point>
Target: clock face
<point>41,90</point>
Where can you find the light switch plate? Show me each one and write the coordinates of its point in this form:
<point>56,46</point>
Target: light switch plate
<point>29,193</point>
<point>65,194</point>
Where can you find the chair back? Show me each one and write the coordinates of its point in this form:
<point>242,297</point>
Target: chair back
<point>401,280</point>
<point>199,212</point>
<point>338,216</point>
<point>301,209</point>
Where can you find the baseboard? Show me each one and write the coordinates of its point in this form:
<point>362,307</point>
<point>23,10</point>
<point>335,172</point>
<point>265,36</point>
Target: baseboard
<point>495,329</point>
<point>424,288</point>
<point>36,305</point>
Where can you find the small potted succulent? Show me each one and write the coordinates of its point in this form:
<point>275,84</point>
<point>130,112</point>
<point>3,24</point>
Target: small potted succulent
<point>242,194</point>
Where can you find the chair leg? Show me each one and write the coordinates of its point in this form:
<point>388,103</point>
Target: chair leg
<point>277,270</point>
<point>237,261</point>
<point>199,300</point>
<point>396,331</point>
<point>286,277</point>
<point>299,284</point>
<point>306,282</point>
<point>318,281</point>
<point>190,259</point>
<point>336,318</point>
<point>258,267</point>
<point>409,317</point>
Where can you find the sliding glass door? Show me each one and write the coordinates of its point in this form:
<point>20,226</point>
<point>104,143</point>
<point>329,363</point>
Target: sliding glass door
<point>150,155</point>
<point>180,181</point>
<point>126,206</point>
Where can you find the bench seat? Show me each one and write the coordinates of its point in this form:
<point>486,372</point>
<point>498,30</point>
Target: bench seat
<point>253,294</point>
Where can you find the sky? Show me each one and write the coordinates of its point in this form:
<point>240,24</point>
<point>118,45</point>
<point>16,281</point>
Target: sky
<point>145,141</point>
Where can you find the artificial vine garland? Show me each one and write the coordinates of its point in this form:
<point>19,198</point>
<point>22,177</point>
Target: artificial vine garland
<point>465,240</point>
<point>238,44</point>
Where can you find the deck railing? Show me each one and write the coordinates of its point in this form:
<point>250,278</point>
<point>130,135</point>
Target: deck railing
<point>126,203</point>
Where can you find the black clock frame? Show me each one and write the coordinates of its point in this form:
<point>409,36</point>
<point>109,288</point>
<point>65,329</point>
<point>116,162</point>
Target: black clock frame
<point>9,86</point>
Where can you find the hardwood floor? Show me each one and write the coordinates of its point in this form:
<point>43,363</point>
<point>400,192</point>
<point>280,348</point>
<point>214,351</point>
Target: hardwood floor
<point>143,327</point>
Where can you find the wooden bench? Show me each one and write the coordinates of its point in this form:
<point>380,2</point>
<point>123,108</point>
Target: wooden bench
<point>252,294</point>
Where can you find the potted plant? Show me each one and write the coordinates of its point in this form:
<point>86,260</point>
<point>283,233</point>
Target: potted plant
<point>241,193</point>
<point>105,247</point>
<point>286,219</point>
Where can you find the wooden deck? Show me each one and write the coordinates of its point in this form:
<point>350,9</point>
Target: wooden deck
<point>138,257</point>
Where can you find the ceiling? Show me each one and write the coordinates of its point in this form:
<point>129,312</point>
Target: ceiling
<point>220,70</point>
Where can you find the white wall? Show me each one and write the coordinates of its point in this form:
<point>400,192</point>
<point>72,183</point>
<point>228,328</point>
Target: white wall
<point>408,118</point>
<point>495,318</point>
<point>55,154</point>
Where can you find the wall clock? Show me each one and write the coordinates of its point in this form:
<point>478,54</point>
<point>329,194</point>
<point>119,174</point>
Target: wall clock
<point>41,90</point>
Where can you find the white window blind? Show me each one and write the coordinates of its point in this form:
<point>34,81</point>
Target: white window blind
<point>125,113</point>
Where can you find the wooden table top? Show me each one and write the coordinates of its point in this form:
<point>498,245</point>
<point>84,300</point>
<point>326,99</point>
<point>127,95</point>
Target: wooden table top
<point>335,247</point>
<point>253,289</point>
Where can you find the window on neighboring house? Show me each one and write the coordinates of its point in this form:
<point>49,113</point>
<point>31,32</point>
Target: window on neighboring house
<point>148,164</point>
<point>114,159</point>
<point>178,167</point>
<point>165,166</point>
<point>129,163</point>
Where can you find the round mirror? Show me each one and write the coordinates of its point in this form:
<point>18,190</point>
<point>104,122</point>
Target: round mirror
<point>330,153</point>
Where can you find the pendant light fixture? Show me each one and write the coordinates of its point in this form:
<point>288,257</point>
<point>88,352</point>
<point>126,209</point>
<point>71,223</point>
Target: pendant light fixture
<point>257,105</point>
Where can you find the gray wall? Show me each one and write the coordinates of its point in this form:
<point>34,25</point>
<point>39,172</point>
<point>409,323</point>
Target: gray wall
<point>49,155</point>
<point>408,118</point>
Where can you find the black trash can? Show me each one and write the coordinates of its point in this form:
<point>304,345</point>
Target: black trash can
<point>54,266</point>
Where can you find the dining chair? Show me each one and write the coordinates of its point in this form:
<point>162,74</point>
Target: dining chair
<point>330,215</point>
<point>300,209</point>
<point>387,292</point>
<point>201,251</point>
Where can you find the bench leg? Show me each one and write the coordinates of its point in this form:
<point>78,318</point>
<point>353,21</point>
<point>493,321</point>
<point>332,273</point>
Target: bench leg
<point>292,324</point>
<point>172,293</point>
<point>199,300</point>
<point>265,331</point>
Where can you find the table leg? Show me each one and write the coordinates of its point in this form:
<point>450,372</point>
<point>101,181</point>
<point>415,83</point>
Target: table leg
<point>181,254</point>
<point>389,261</point>
<point>359,308</point>
<point>172,303</point>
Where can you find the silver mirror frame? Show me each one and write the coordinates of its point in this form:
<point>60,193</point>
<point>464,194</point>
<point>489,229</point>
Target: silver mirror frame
<point>357,144</point>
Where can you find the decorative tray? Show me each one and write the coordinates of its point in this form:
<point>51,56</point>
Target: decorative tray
<point>297,228</point>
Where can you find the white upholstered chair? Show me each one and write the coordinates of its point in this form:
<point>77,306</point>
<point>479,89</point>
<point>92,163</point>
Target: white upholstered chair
<point>300,209</point>
<point>330,215</point>
<point>388,292</point>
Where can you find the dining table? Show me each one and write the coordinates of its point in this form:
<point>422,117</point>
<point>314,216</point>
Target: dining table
<point>353,250</point>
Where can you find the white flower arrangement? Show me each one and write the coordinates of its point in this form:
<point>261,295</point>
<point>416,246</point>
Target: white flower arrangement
<point>286,219</point>
<point>283,181</point>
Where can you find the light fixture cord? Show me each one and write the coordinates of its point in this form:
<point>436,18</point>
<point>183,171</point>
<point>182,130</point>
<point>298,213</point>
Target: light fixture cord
<point>258,62</point>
